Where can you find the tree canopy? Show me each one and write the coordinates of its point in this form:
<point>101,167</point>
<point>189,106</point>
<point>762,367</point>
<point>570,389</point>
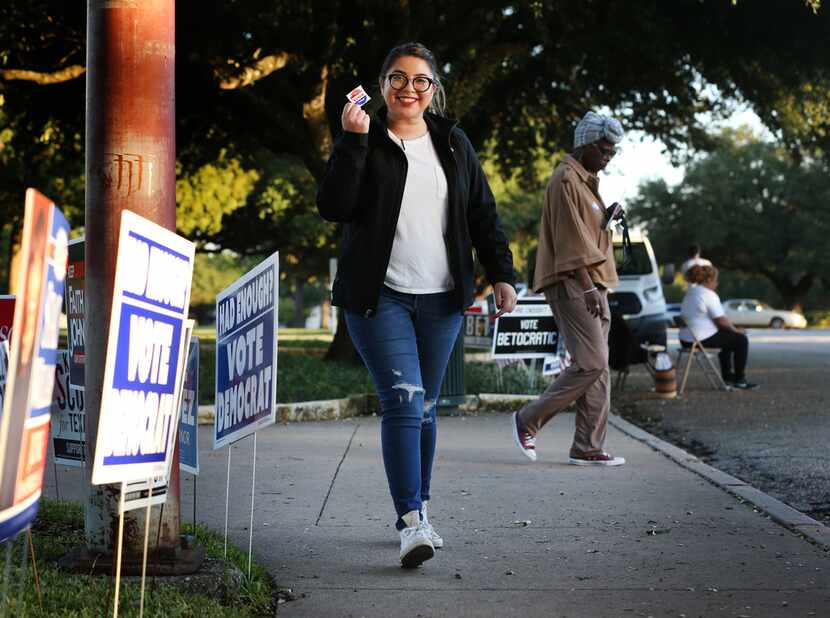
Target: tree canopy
<point>261,84</point>
<point>753,207</point>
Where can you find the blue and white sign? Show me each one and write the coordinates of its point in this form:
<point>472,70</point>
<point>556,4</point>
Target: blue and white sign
<point>24,423</point>
<point>246,354</point>
<point>189,423</point>
<point>138,421</point>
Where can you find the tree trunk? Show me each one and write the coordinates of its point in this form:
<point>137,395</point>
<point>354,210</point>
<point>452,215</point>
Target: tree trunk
<point>299,305</point>
<point>11,239</point>
<point>794,295</point>
<point>342,349</point>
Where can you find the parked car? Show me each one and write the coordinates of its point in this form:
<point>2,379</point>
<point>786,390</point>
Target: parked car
<point>752,312</point>
<point>672,311</point>
<point>638,297</point>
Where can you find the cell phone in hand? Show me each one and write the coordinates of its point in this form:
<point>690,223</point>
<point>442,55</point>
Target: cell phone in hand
<point>612,213</point>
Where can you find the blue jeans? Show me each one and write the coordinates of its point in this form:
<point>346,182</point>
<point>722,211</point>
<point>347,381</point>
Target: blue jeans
<point>406,347</point>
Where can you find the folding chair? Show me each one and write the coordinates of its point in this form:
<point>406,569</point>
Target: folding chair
<point>696,350</point>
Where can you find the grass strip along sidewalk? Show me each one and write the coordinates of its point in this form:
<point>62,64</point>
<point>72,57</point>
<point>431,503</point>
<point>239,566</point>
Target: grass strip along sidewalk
<point>310,378</point>
<point>59,527</point>
<point>305,376</point>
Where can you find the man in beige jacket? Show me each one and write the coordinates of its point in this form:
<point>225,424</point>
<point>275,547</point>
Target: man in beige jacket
<point>574,269</point>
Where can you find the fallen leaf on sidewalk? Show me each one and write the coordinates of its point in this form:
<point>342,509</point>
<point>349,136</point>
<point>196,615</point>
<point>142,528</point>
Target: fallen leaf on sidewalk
<point>521,523</point>
<point>655,530</point>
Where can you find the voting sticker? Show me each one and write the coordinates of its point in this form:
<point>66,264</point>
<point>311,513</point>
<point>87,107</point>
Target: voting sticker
<point>358,96</point>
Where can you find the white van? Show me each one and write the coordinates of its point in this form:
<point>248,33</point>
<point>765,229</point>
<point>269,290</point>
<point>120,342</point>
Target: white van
<point>638,298</point>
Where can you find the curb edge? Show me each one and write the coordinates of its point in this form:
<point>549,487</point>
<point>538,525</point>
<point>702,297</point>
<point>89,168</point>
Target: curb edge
<point>778,511</point>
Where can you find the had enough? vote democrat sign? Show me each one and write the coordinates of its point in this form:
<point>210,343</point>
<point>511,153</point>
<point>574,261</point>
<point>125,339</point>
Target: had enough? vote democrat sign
<point>246,354</point>
<point>528,332</point>
<point>138,423</point>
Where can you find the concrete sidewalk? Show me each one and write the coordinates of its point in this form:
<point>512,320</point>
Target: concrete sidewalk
<point>522,539</point>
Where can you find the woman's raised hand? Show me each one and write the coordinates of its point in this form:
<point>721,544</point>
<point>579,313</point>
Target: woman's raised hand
<point>355,120</point>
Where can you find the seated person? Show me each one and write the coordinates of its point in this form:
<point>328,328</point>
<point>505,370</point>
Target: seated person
<point>704,316</point>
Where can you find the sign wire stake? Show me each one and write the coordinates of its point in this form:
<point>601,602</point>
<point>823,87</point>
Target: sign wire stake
<point>194,505</point>
<point>158,542</point>
<point>55,468</point>
<point>251,526</point>
<point>118,552</point>
<point>24,572</point>
<point>227,501</point>
<point>146,544</point>
<point>34,568</point>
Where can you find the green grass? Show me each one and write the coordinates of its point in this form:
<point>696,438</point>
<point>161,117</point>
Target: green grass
<point>59,528</point>
<point>286,335</point>
<point>818,318</point>
<point>307,377</point>
<point>301,377</point>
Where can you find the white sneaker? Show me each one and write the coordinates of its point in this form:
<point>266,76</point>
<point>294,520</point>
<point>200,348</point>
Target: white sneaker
<point>437,541</point>
<point>416,546</point>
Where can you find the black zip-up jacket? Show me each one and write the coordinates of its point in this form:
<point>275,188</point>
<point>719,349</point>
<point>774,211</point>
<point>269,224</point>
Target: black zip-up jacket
<point>363,189</point>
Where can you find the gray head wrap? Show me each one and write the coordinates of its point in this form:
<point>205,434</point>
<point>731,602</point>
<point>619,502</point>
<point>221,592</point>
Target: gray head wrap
<point>593,127</point>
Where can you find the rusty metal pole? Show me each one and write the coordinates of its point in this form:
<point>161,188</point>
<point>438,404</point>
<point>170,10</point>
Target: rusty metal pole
<point>130,164</point>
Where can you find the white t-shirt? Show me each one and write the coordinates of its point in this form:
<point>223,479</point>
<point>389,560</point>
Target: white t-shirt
<point>419,263</point>
<point>698,261</point>
<point>700,307</point>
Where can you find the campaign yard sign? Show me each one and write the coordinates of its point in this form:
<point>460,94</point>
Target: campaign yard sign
<point>189,423</point>
<point>4,367</point>
<point>75,312</point>
<point>246,354</point>
<point>528,332</point>
<point>138,494</point>
<point>6,316</point>
<point>24,425</point>
<point>68,416</point>
<point>478,329</point>
<point>139,402</point>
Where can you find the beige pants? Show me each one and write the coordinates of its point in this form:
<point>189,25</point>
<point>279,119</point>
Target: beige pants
<point>586,380</point>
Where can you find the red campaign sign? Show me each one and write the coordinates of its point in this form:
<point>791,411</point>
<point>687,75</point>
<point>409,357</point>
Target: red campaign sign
<point>6,317</point>
<point>76,312</point>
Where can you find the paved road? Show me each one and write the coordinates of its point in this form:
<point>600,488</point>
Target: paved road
<point>776,438</point>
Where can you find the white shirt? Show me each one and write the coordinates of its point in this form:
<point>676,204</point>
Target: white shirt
<point>698,261</point>
<point>701,306</point>
<point>419,263</point>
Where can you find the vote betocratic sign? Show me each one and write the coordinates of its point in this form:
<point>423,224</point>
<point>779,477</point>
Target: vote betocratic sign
<point>246,349</point>
<point>138,422</point>
<point>528,332</point>
<point>189,423</point>
<point>33,349</point>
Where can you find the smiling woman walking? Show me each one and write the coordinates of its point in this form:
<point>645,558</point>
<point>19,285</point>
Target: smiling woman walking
<point>408,186</point>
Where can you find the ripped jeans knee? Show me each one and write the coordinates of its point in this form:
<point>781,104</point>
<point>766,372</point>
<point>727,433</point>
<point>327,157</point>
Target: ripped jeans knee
<point>405,401</point>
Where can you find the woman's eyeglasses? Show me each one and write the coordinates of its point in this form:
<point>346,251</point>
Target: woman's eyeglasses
<point>398,81</point>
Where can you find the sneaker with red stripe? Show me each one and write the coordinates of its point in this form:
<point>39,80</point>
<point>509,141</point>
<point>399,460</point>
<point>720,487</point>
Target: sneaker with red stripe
<point>598,459</point>
<point>524,439</point>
